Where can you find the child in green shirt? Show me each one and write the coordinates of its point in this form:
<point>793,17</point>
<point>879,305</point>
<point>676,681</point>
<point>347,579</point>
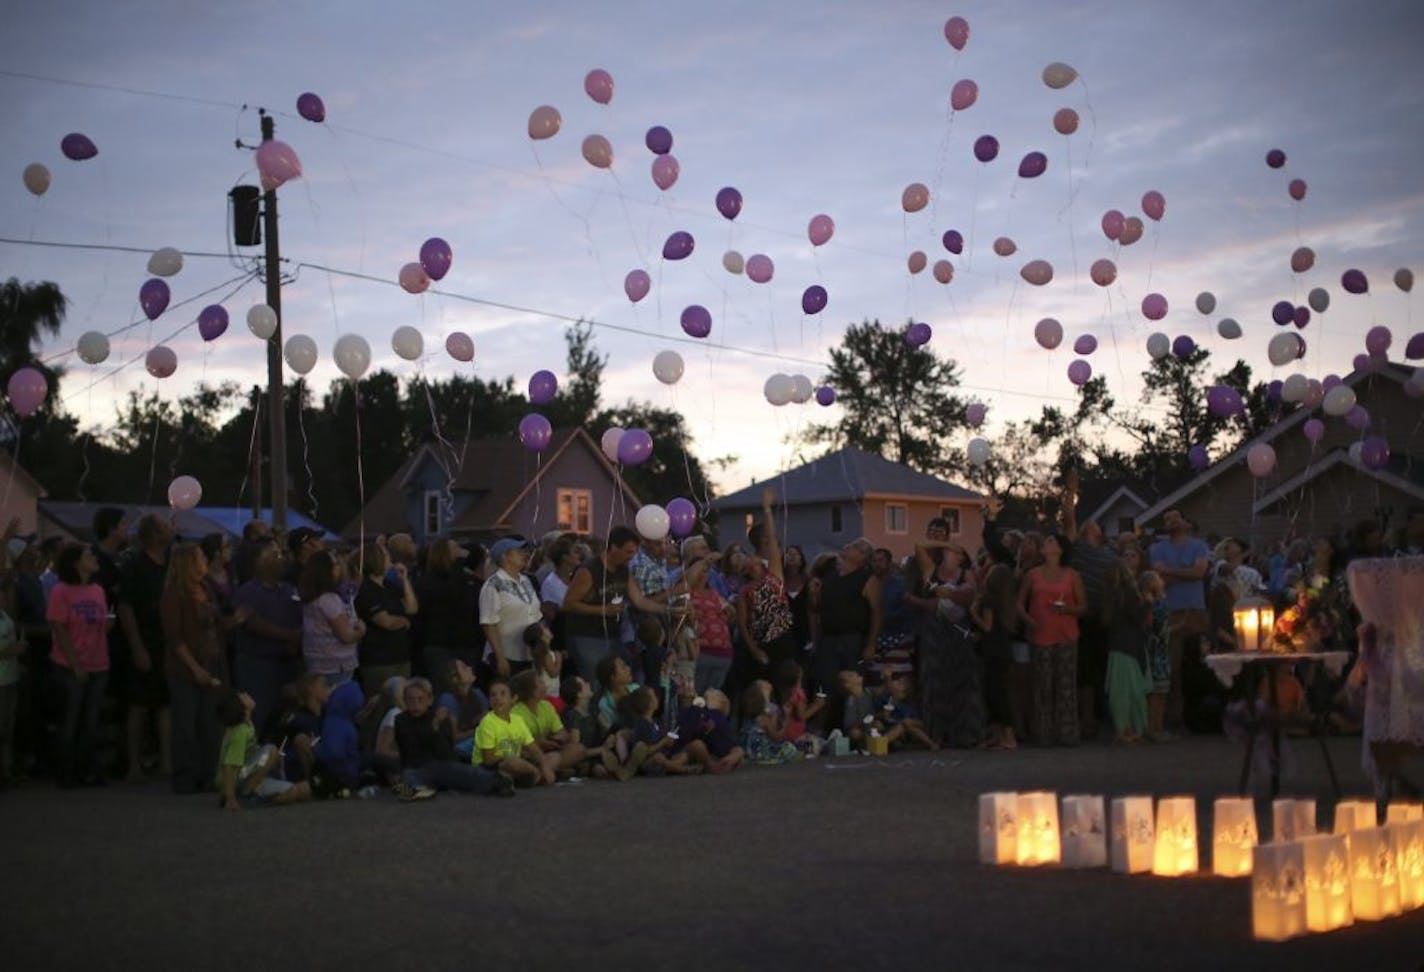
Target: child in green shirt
<point>243,767</point>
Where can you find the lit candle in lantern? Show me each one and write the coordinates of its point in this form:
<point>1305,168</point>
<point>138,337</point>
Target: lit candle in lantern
<point>1409,845</point>
<point>1085,838</point>
<point>1175,851</point>
<point>998,828</point>
<point>1327,882</point>
<point>1402,811</point>
<point>1233,834</point>
<point>1292,819</point>
<point>1255,622</point>
<point>1038,829</point>
<point>1133,835</point>
<point>1374,873</point>
<point>1278,909</point>
<point>1355,815</point>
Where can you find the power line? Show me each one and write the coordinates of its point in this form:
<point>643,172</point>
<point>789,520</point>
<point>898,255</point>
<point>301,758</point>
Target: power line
<point>114,87</point>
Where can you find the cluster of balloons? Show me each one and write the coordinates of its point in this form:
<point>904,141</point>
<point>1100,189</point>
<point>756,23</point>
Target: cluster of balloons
<point>352,354</point>
<point>627,447</point>
<point>654,522</point>
<point>783,389</point>
<point>435,259</point>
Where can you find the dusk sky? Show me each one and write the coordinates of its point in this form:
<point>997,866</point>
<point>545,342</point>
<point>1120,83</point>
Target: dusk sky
<point>805,108</point>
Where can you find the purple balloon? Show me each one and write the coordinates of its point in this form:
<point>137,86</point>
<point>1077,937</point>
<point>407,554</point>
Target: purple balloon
<point>543,386</point>
<point>212,322</point>
<point>729,202</point>
<point>918,334</point>
<point>435,257</point>
<point>1358,418</point>
<point>975,414</point>
<point>1374,452</point>
<point>1354,282</point>
<point>682,517</point>
<point>1275,158</point>
<point>658,140</point>
<point>1079,372</point>
<point>696,321</point>
<point>1224,401</point>
<point>1330,381</point>
<point>1361,363</point>
<point>1283,312</point>
<point>1314,430</point>
<point>153,297</point>
<point>635,447</point>
<point>1414,350</point>
<point>1378,339</point>
<point>1273,391</point>
<point>825,396</point>
<point>986,148</point>
<point>1033,165</point>
<point>813,300</point>
<point>953,241</point>
<point>313,109</point>
<point>77,147</point>
<point>535,432</point>
<point>759,268</point>
<point>678,246</point>
<point>1377,362</point>
<point>1183,346</point>
<point>1197,458</point>
<point>1300,347</point>
<point>1301,316</point>
<point>1085,345</point>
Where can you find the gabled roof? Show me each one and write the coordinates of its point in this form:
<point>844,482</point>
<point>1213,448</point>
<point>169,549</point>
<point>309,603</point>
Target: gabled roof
<point>849,474</point>
<point>1108,499</point>
<point>1393,474</point>
<point>1394,372</point>
<point>496,472</point>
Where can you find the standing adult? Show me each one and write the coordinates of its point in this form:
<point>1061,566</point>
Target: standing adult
<point>563,559</point>
<point>79,623</point>
<point>330,629</point>
<point>386,611</point>
<point>896,649</point>
<point>940,588</point>
<point>446,592</point>
<point>1095,562</point>
<point>144,673</point>
<point>1051,601</point>
<point>598,594</point>
<point>196,666</point>
<point>508,605</point>
<point>302,543</point>
<point>763,610</point>
<point>848,606</point>
<point>795,573</point>
<point>1182,561</point>
<point>255,536</point>
<point>995,611</point>
<point>267,645</point>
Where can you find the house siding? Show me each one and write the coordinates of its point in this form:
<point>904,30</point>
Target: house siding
<point>921,511</point>
<point>575,468</point>
<point>807,526</point>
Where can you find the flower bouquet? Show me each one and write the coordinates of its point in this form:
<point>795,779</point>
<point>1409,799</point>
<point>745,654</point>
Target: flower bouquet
<point>1312,620</point>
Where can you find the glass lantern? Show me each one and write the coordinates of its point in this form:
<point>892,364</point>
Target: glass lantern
<point>1255,620</point>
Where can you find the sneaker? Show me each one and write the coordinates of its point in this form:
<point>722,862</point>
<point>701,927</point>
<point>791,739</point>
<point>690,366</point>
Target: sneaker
<point>406,793</point>
<point>503,785</point>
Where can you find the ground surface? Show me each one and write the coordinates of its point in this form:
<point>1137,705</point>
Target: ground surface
<point>853,863</point>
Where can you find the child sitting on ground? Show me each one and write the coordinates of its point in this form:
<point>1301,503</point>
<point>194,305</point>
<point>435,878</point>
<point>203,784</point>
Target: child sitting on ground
<point>860,708</point>
<point>465,704</point>
<point>504,743</point>
<point>640,709</point>
<point>338,749</point>
<point>795,711</point>
<point>762,740</point>
<point>245,770</point>
<point>581,723</point>
<point>296,727</point>
<point>616,678</point>
<point>429,762</point>
<point>543,722</point>
<point>704,721</point>
<point>900,717</point>
<point>657,661</point>
<point>385,757</point>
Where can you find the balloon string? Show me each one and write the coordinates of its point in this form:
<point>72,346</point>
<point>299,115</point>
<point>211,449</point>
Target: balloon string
<point>1072,236</point>
<point>306,451</point>
<point>447,500</point>
<point>351,181</point>
<point>360,477</point>
<point>153,453</point>
<point>1092,122</point>
<point>628,218</point>
<point>538,486</point>
<point>247,466</point>
<point>974,215</point>
<point>544,178</point>
<point>939,169</point>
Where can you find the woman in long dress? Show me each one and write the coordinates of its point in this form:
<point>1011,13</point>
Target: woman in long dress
<point>939,586</point>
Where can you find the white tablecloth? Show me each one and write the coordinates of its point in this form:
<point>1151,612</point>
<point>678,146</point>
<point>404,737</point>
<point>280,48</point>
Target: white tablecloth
<point>1228,665</point>
<point>1389,593</point>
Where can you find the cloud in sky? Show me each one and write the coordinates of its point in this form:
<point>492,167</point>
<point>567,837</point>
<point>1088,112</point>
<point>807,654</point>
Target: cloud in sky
<point>805,108</point>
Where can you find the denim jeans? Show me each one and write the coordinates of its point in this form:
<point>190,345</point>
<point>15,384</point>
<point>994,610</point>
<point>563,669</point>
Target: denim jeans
<point>79,730</point>
<point>449,775</point>
<point>196,734</point>
<point>712,672</point>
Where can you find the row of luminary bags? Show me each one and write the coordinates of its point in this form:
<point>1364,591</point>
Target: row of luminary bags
<point>1302,881</point>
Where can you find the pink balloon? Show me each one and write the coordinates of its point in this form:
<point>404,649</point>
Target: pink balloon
<point>820,229</point>
<point>915,197</point>
<point>1154,307</point>
<point>544,122</point>
<point>459,346</point>
<point>1154,205</point>
<point>1037,272</point>
<point>1004,246</point>
<point>414,279</point>
<point>598,153</point>
<point>665,171</point>
<point>1103,272</point>
<point>917,261</point>
<point>1296,189</point>
<point>956,31</point>
<point>637,284</point>
<point>943,271</point>
<point>759,268</point>
<point>974,415</point>
<point>161,361</point>
<point>1048,333</point>
<point>1113,222</point>
<point>277,163</point>
<point>27,390</point>
<point>964,93</point>
<point>1085,345</point>
<point>1261,459</point>
<point>598,84</point>
<point>1065,121</point>
<point>1314,430</point>
<point>1131,231</point>
<point>1302,259</point>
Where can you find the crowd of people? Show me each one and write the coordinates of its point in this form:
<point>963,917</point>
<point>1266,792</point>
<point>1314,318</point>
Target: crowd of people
<point>279,669</point>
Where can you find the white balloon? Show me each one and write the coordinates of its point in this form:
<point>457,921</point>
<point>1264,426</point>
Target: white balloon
<point>1293,389</point>
<point>353,355</point>
<point>1283,349</point>
<point>978,451</point>
<point>778,389</point>
<point>652,522</point>
<point>1206,302</point>
<point>609,443</point>
<point>36,178</point>
<point>1228,328</point>
<point>1261,459</point>
<point>407,342</point>
<point>801,389</point>
<point>668,367</point>
<point>184,493</point>
<point>732,262</point>
<point>1339,400</point>
<point>1159,345</point>
<point>93,347</point>
<point>165,262</point>
<point>300,353</point>
<point>262,321</point>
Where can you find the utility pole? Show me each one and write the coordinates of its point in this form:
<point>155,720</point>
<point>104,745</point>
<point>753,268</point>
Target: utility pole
<point>276,409</point>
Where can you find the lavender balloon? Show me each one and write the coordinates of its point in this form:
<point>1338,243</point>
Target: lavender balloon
<point>986,148</point>
<point>658,140</point>
<point>825,396</point>
<point>543,386</point>
<point>696,321</point>
<point>1085,345</point>
<point>1223,401</point>
<point>1033,165</point>
<point>1358,418</point>
<point>1079,372</point>
<point>212,322</point>
<point>682,517</point>
<point>435,257</point>
<point>759,268</point>
<point>635,447</point>
<point>678,246</point>
<point>953,241</point>
<point>1374,452</point>
<point>535,432</point>
<point>1378,339</point>
<point>153,297</point>
<point>813,301</point>
<point>1314,430</point>
<point>918,334</point>
<point>974,415</point>
<point>1330,381</point>
<point>313,109</point>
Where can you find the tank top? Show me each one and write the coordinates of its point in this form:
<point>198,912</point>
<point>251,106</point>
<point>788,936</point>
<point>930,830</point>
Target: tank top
<point>607,585</point>
<point>1050,627</point>
<point>843,609</point>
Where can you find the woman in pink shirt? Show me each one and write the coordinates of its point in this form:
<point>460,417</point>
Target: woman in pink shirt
<point>79,622</point>
<point>1051,600</point>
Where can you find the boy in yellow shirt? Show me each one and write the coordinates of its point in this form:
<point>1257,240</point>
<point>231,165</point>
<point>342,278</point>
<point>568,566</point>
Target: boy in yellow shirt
<point>503,742</point>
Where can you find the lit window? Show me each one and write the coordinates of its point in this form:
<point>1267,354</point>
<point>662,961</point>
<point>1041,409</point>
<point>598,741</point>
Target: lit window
<point>575,510</point>
<point>897,518</point>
